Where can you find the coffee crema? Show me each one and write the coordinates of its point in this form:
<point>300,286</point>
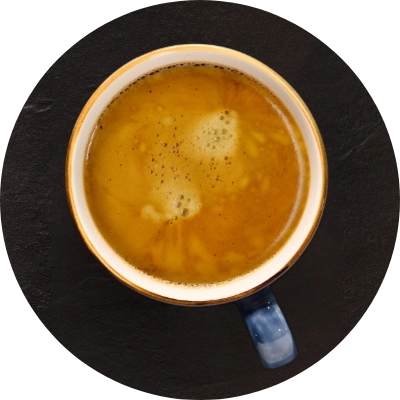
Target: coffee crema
<point>196,174</point>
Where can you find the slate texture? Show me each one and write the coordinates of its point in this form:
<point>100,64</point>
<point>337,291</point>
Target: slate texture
<point>201,352</point>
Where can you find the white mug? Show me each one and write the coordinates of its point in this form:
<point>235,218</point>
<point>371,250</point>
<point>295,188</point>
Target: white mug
<point>212,294</point>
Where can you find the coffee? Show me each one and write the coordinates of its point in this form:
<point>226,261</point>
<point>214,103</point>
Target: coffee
<point>196,174</point>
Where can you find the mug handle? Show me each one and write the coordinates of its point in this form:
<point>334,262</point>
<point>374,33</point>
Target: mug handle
<point>268,328</point>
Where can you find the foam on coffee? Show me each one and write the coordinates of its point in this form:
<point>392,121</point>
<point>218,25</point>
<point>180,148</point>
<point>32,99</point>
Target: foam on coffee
<point>193,176</point>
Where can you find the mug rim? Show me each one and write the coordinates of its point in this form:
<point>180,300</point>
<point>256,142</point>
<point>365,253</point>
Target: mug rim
<point>293,94</point>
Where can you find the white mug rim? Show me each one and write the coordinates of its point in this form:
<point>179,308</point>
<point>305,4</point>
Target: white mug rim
<point>175,293</point>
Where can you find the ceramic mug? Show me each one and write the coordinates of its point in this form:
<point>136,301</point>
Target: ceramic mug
<point>264,319</point>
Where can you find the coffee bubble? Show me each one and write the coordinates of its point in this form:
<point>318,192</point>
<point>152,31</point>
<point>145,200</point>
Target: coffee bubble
<point>222,140</point>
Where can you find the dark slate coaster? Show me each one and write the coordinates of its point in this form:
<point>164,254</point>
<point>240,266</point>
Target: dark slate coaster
<point>199,352</point>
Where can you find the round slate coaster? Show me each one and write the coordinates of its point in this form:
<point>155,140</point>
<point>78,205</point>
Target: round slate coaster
<point>194,351</point>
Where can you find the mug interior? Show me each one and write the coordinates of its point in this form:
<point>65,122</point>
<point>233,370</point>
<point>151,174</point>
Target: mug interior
<point>183,293</point>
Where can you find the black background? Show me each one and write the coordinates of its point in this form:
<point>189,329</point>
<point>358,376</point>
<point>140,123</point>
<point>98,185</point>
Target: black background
<point>358,33</point>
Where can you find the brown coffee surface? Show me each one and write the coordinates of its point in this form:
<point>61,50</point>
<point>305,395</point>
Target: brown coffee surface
<point>196,174</point>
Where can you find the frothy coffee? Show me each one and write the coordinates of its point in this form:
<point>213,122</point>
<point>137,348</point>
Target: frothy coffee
<point>196,174</point>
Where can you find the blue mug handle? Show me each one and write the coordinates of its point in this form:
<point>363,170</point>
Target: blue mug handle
<point>268,328</point>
